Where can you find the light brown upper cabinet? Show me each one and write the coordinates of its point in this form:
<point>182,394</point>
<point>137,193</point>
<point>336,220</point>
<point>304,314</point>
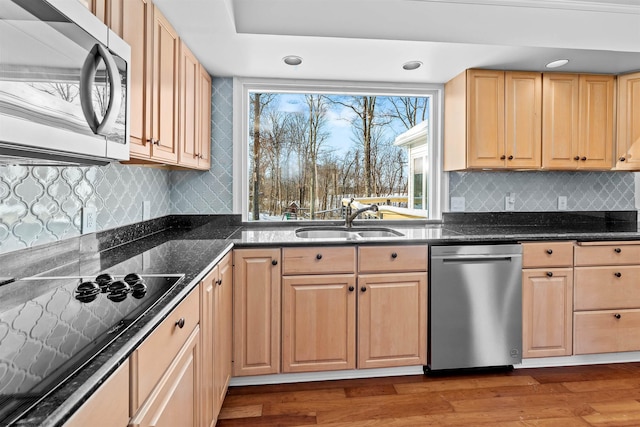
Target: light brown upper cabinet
<point>577,122</point>
<point>492,120</point>
<point>628,142</point>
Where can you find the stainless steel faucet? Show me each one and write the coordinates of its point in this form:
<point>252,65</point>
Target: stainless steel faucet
<point>348,222</point>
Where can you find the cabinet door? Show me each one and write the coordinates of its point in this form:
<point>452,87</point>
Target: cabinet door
<point>607,331</point>
<point>176,399</point>
<point>392,320</point>
<point>628,143</point>
<point>138,33</point>
<point>164,122</point>
<point>485,119</point>
<point>208,288</point>
<point>318,323</point>
<point>596,121</point>
<point>560,113</point>
<point>109,405</point>
<point>256,311</point>
<point>189,140</point>
<point>223,331</point>
<point>547,310</point>
<point>204,128</point>
<point>523,119</point>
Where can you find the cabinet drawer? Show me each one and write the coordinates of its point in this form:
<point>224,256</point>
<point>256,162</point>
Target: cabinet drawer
<point>610,254</point>
<point>547,254</point>
<point>318,260</point>
<point>155,354</point>
<point>386,259</point>
<point>606,331</point>
<point>601,288</point>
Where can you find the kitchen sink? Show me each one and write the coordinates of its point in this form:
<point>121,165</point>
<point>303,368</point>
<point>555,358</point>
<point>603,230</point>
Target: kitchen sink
<point>355,233</point>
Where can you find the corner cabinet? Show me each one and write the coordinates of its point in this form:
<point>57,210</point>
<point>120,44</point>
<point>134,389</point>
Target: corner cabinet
<point>256,311</point>
<point>577,123</point>
<point>547,299</point>
<point>501,115</point>
<point>628,142</point>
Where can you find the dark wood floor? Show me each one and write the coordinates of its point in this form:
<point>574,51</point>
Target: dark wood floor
<point>599,395</point>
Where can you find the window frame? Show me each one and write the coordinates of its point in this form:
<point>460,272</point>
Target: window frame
<point>438,185</point>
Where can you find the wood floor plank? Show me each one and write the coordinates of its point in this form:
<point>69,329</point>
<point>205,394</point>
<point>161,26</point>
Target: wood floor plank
<point>371,390</point>
<point>614,419</point>
<point>231,412</point>
<point>628,405</point>
<point>463,384</point>
<point>603,385</point>
<point>285,396</point>
<point>269,421</point>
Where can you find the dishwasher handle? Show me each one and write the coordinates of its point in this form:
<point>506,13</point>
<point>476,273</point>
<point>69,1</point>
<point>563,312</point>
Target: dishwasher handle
<point>476,259</point>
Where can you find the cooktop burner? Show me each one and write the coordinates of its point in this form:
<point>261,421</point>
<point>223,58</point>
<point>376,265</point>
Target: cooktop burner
<point>64,323</point>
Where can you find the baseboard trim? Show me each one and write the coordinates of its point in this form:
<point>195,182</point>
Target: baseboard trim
<point>583,359</point>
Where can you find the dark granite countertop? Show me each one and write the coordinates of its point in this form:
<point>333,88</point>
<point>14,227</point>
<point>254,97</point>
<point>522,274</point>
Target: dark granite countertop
<point>192,245</point>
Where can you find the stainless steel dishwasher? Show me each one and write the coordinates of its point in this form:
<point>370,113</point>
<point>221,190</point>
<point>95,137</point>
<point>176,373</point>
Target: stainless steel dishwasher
<point>475,306</point>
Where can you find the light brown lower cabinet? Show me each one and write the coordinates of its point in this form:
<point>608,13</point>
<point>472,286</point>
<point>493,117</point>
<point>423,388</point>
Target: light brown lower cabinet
<point>547,312</point>
<point>109,404</point>
<point>607,331</point>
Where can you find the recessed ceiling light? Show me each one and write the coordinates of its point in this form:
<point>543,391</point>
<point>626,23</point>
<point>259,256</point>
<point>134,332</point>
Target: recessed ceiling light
<point>558,63</point>
<point>411,65</point>
<point>292,60</point>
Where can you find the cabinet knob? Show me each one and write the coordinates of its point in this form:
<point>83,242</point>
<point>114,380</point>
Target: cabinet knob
<point>617,274</point>
<point>576,158</point>
<point>583,159</point>
<point>622,159</point>
<point>274,262</point>
<point>195,156</point>
<point>180,323</point>
<point>363,289</point>
<point>200,156</point>
<point>549,273</point>
<point>503,157</point>
<point>150,140</point>
<point>510,158</point>
<point>617,250</point>
<point>351,289</point>
<point>394,255</point>
<point>617,315</point>
<point>319,256</point>
<point>549,251</point>
<point>220,282</point>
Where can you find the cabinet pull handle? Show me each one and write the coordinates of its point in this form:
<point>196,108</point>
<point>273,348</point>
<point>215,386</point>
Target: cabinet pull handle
<point>180,323</point>
<point>274,262</point>
<point>549,273</point>
<point>363,289</point>
<point>510,158</point>
<point>622,159</point>
<point>351,289</point>
<point>617,250</point>
<point>394,255</point>
<point>503,157</point>
<point>617,274</point>
<point>576,158</point>
<point>583,159</point>
<point>319,256</point>
<point>617,315</point>
<point>549,251</point>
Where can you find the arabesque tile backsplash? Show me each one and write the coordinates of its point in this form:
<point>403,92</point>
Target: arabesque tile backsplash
<point>42,204</point>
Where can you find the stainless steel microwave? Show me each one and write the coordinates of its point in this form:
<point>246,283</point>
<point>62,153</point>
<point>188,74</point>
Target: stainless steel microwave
<point>64,95</point>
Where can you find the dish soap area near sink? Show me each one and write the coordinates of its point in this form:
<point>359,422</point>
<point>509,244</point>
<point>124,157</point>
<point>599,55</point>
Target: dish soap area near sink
<point>355,233</point>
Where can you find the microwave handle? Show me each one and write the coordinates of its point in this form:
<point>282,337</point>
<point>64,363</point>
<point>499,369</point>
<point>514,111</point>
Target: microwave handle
<point>87,77</point>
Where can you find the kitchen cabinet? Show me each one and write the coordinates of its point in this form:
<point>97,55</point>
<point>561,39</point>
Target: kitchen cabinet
<point>256,311</point>
<point>577,122</point>
<point>628,136</point>
<point>109,404</point>
<point>195,112</point>
<point>547,299</point>
<point>606,303</point>
<point>216,333</point>
<point>501,113</point>
<point>165,370</point>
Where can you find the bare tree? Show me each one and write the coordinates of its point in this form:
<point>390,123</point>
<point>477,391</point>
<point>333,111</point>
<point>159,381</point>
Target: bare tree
<point>317,119</point>
<point>259,102</point>
<point>409,110</point>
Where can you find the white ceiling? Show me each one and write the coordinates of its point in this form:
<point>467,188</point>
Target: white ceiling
<point>369,40</point>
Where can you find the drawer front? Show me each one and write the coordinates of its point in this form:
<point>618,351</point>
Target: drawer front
<point>606,331</point>
<point>602,288</point>
<point>156,353</point>
<point>547,254</point>
<point>383,259</point>
<point>607,255</point>
<point>318,260</point>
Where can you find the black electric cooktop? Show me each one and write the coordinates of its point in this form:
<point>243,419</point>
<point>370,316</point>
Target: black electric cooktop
<point>64,323</point>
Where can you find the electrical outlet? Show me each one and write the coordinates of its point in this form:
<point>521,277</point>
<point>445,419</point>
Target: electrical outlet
<point>562,203</point>
<point>89,217</point>
<point>510,202</point>
<point>457,204</point>
<point>146,210</point>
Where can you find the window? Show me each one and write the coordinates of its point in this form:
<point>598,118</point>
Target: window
<point>307,151</point>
